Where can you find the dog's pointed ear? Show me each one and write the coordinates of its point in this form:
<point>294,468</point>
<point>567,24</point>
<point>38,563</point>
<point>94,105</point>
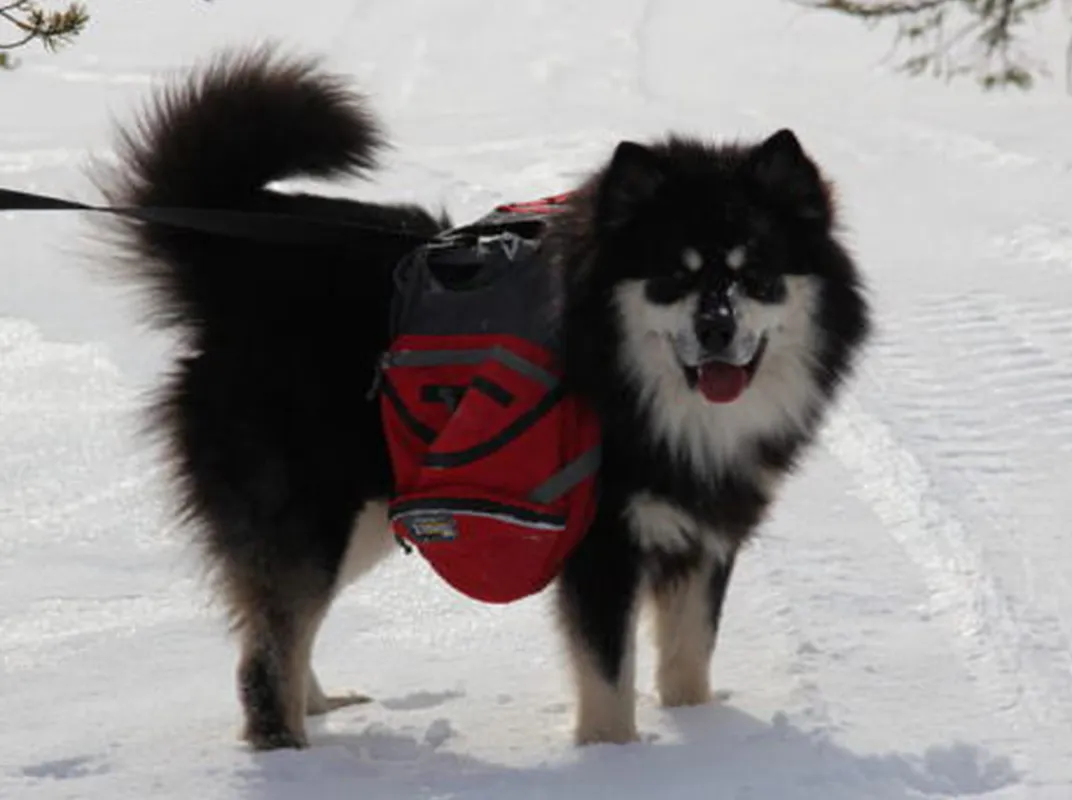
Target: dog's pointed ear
<point>634,174</point>
<point>782,168</point>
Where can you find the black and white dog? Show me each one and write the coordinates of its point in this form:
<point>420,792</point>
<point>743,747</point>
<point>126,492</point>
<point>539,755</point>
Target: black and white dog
<point>709,315</point>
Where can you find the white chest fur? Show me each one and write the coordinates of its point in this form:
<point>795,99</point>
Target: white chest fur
<point>661,526</point>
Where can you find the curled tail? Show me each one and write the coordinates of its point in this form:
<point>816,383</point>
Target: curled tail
<point>237,123</point>
<point>215,139</point>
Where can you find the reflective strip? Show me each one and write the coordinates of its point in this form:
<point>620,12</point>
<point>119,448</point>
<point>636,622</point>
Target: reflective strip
<point>512,520</point>
<point>441,358</point>
<point>472,506</point>
<point>582,467</point>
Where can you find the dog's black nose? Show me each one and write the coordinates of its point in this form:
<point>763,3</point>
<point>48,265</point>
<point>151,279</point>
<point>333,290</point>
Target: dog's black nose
<point>715,328</point>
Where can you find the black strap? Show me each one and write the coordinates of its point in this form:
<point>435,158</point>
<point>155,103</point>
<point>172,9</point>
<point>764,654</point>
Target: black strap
<point>254,225</point>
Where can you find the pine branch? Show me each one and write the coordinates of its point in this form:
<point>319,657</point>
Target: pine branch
<point>52,28</point>
<point>991,53</point>
<point>880,10</point>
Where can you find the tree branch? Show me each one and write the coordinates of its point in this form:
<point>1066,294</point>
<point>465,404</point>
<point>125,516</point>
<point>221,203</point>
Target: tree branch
<point>873,10</point>
<point>922,24</point>
<point>51,28</point>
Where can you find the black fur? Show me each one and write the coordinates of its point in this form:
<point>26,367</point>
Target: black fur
<point>274,445</point>
<point>631,220</point>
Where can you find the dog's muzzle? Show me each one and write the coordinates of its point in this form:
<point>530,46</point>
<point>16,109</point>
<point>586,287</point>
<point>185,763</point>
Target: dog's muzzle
<point>722,381</point>
<point>718,357</point>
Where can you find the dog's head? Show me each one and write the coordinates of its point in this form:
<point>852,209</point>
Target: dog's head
<point>721,270</point>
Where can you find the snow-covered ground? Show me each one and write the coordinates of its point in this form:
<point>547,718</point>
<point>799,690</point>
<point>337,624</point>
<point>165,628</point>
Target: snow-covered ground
<point>901,630</point>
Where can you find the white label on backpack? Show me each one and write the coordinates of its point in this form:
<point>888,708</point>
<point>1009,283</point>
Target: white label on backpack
<point>431,527</point>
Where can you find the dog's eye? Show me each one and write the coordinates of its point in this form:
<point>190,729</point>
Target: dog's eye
<point>766,287</point>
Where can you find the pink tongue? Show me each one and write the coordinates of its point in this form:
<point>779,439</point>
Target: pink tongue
<point>722,383</point>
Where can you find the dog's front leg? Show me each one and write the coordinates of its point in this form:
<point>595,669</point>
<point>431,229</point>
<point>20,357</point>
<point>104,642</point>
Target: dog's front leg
<point>597,597</point>
<point>688,609</point>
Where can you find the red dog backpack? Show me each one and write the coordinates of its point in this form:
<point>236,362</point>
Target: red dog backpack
<point>494,464</point>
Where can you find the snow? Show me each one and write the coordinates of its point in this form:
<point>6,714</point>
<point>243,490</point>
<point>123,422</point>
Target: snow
<point>901,629</point>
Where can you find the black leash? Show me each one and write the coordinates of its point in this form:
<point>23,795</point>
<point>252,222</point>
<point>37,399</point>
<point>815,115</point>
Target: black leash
<point>257,226</point>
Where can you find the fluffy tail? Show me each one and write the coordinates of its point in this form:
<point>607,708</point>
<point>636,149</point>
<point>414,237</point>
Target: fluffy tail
<point>239,122</point>
<point>214,140</point>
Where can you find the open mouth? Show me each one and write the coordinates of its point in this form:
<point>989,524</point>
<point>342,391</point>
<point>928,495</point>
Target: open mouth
<point>721,382</point>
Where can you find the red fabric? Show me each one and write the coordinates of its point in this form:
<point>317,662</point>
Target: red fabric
<point>544,205</point>
<point>470,513</point>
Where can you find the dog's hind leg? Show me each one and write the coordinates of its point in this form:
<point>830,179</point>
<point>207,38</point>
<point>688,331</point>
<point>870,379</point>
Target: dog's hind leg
<point>318,703</point>
<point>688,609</point>
<point>279,584</point>
<point>370,542</point>
<point>279,616</point>
<point>276,484</point>
<point>277,623</point>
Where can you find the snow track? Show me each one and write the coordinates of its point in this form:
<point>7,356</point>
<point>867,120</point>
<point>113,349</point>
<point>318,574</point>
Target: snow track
<point>971,428</point>
<point>903,627</point>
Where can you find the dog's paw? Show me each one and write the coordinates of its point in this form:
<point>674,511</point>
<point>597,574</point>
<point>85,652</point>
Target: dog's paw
<point>678,688</point>
<point>682,696</point>
<point>322,704</point>
<point>278,739</point>
<point>611,735</point>
<point>696,696</point>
